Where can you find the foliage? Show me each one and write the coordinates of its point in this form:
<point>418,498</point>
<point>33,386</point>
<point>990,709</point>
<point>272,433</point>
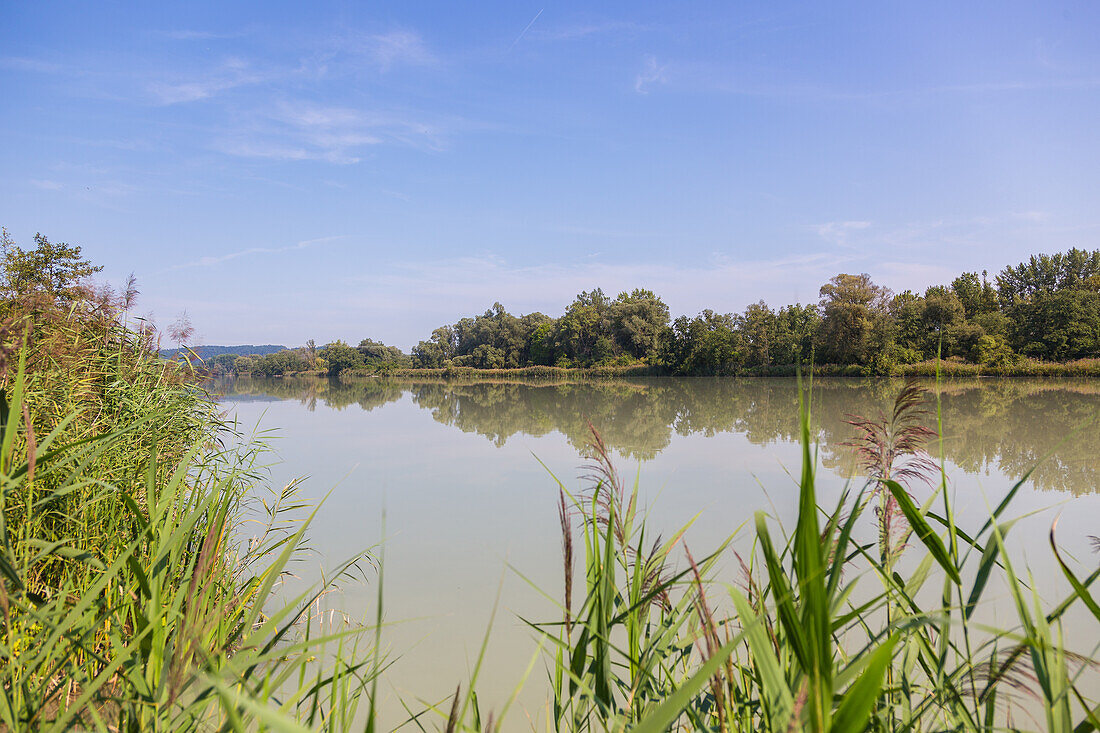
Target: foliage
<point>707,344</point>
<point>1047,308</point>
<point>1046,274</point>
<point>54,270</point>
<point>339,357</point>
<point>853,322</point>
<point>376,354</point>
<point>129,597</point>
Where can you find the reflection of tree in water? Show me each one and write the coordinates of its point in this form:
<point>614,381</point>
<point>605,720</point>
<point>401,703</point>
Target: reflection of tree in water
<point>631,418</point>
<point>367,394</point>
<point>1007,425</point>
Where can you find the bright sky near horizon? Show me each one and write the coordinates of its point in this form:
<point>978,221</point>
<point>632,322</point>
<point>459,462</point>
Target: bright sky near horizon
<point>324,170</point>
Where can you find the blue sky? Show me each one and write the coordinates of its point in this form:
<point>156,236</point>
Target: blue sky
<point>287,171</point>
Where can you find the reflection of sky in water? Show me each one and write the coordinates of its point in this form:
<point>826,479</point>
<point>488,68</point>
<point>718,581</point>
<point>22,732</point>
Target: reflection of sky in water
<point>463,504</point>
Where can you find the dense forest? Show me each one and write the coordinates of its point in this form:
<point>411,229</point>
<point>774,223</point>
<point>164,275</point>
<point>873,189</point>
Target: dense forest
<point>1046,309</point>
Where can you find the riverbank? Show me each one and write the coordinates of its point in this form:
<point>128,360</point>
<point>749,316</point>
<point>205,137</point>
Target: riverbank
<point>949,368</point>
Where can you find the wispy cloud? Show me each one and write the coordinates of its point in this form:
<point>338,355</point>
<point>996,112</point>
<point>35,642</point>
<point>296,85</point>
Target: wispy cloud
<point>391,49</point>
<point>230,74</point>
<point>294,130</point>
<point>839,232</point>
<point>47,185</point>
<point>652,73</point>
<point>218,259</point>
<point>21,63</point>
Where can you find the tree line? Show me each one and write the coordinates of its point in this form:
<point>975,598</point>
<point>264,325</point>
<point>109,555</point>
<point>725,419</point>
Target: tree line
<point>1046,308</point>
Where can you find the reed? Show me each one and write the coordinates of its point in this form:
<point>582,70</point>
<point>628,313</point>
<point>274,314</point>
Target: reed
<point>131,599</point>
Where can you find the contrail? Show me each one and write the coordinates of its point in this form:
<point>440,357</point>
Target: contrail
<point>527,28</point>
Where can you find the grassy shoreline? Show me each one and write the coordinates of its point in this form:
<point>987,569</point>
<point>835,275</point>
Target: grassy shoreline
<point>945,369</point>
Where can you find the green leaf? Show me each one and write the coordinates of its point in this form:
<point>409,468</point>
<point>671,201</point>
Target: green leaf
<point>924,531</point>
<point>774,686</point>
<point>666,713</point>
<point>859,700</point>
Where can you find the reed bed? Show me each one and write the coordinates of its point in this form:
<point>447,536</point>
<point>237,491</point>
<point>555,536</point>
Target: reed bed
<point>131,598</point>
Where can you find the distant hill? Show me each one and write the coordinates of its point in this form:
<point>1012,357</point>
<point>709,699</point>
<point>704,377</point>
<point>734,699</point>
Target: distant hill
<point>209,352</point>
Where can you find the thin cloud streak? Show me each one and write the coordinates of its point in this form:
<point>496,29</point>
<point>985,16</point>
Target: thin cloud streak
<point>295,130</point>
<point>526,28</point>
<point>217,260</point>
<point>653,73</point>
<point>232,73</point>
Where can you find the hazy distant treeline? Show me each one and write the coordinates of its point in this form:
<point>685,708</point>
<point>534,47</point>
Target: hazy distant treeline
<point>1046,308</point>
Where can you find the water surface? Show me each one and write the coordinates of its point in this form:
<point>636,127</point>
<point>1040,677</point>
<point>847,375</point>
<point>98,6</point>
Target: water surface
<point>456,468</point>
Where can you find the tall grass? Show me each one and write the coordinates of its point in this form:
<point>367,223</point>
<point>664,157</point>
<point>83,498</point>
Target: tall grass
<point>131,599</point>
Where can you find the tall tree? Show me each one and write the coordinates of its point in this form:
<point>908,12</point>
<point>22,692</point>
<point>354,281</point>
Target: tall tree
<point>584,330</point>
<point>637,319</point>
<point>853,313</point>
<point>54,269</point>
<point>1047,274</point>
<point>759,328</point>
<point>796,326</point>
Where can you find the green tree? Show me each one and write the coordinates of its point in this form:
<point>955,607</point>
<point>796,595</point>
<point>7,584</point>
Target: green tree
<point>54,269</point>
<point>243,365</point>
<point>1060,326</point>
<point>340,357</point>
<point>540,344</point>
<point>1047,274</point>
<point>759,328</point>
<point>796,326</point>
<point>708,344</point>
<point>585,321</point>
<point>438,350</point>
<point>854,325</point>
<point>637,319</point>
<point>223,363</point>
<point>504,336</point>
<point>976,294</point>
<point>941,321</point>
<point>377,353</point>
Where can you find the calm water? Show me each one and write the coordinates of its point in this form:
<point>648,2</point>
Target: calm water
<point>455,468</point>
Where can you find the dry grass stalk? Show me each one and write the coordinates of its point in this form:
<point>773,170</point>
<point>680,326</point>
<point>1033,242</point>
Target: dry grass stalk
<point>567,559</point>
<point>892,448</point>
